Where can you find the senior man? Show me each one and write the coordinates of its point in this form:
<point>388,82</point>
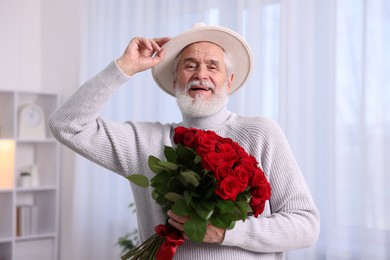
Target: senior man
<point>201,68</point>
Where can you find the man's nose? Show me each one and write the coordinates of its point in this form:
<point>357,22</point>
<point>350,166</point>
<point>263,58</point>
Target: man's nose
<point>201,73</point>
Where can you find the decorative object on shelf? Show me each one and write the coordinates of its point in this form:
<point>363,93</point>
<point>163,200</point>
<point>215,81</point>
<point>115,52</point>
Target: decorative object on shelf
<point>7,158</point>
<point>34,175</point>
<point>31,122</point>
<point>30,176</point>
<point>25,179</point>
<point>24,216</point>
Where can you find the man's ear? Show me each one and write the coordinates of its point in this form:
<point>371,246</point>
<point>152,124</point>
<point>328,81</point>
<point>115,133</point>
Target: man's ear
<point>229,83</point>
<point>174,84</point>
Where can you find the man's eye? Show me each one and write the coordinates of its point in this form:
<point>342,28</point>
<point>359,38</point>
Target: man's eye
<point>190,66</point>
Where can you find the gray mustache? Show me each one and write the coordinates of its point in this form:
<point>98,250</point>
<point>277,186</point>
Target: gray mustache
<point>200,83</point>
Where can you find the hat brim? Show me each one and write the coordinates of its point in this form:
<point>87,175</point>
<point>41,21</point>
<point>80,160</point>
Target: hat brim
<point>230,41</point>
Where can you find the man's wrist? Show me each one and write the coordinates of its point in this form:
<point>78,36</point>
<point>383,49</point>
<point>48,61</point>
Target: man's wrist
<point>122,67</point>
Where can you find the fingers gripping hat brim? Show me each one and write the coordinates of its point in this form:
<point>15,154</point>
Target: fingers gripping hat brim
<point>230,41</point>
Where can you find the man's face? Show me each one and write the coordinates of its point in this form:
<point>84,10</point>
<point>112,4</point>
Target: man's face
<point>201,83</point>
<point>204,62</point>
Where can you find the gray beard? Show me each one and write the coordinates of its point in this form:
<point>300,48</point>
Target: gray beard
<point>198,106</point>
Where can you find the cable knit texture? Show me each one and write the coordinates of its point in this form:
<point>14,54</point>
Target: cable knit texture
<point>290,219</point>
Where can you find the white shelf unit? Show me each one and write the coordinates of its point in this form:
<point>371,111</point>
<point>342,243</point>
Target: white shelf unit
<point>35,235</point>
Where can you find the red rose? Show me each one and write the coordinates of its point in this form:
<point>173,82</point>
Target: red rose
<point>258,178</point>
<point>213,135</point>
<point>227,152</point>
<point>263,192</point>
<point>178,137</point>
<point>222,171</point>
<point>210,161</point>
<point>250,163</point>
<point>191,139</point>
<point>240,151</point>
<point>227,188</point>
<point>257,206</point>
<point>242,177</point>
<point>260,187</point>
<point>206,143</point>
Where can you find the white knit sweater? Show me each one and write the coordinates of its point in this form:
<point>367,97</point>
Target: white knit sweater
<point>290,219</point>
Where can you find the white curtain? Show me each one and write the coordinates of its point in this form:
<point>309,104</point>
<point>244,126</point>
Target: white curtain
<point>334,107</point>
<point>320,70</point>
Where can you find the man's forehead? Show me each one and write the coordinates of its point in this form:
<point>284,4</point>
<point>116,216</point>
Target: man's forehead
<point>207,48</point>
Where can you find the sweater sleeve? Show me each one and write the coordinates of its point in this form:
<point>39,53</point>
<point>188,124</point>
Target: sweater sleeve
<point>290,220</point>
<point>115,146</point>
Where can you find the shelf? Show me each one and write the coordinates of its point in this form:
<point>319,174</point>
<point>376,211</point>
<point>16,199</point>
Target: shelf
<point>29,206</point>
<point>34,210</point>
<point>41,154</point>
<point>4,240</point>
<point>42,249</point>
<point>6,215</point>
<point>35,237</point>
<point>36,189</point>
<point>6,190</point>
<point>5,250</point>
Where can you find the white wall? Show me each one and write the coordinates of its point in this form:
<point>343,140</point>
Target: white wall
<point>40,51</point>
<point>20,45</point>
<point>39,46</point>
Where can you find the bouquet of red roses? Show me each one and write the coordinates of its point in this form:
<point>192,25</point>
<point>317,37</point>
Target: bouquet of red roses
<point>211,179</point>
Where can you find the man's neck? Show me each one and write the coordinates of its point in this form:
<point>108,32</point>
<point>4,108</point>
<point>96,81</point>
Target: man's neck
<point>211,122</point>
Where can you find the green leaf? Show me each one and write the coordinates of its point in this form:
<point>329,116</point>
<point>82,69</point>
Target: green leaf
<point>174,185</point>
<point>154,166</point>
<point>185,155</point>
<point>168,165</point>
<point>197,159</point>
<point>180,208</point>
<point>225,206</point>
<point>244,209</point>
<point>187,197</point>
<point>204,209</point>
<point>195,229</point>
<point>222,221</point>
<point>236,214</point>
<point>159,179</point>
<point>139,180</point>
<point>160,200</point>
<point>190,177</point>
<point>172,196</point>
<point>170,153</point>
<point>218,222</point>
<point>206,188</point>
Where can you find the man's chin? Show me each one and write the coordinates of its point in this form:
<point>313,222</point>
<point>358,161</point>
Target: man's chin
<point>199,107</point>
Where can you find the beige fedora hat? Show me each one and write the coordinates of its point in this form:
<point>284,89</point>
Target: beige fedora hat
<point>230,41</point>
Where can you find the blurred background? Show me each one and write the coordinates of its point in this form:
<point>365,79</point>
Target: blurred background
<point>321,70</point>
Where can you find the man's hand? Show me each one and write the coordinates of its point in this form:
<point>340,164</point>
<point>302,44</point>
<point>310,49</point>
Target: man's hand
<point>213,234</point>
<point>142,54</point>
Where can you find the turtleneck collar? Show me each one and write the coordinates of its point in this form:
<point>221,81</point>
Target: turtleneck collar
<point>208,122</point>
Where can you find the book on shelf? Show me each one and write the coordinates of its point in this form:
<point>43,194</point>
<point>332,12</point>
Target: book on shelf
<point>24,220</point>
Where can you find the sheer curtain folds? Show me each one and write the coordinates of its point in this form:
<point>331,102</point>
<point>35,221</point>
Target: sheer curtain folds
<point>334,103</point>
<point>321,69</point>
<point>362,124</point>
